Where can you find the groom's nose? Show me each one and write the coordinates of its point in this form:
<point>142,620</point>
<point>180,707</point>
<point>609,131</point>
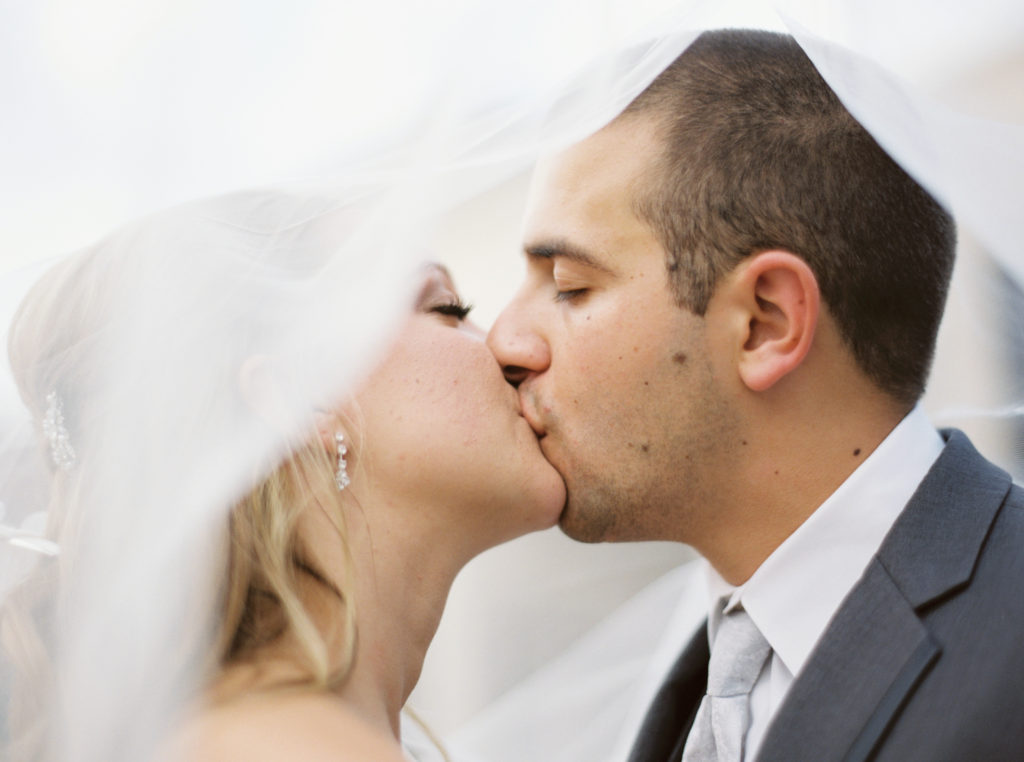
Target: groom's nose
<point>519,345</point>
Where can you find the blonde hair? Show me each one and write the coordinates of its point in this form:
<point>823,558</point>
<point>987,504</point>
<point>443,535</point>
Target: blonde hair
<point>265,564</point>
<point>267,567</point>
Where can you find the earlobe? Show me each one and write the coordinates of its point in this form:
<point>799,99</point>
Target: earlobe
<point>782,298</point>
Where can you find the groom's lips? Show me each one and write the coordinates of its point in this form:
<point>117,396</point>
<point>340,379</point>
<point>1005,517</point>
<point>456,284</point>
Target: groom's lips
<point>538,429</point>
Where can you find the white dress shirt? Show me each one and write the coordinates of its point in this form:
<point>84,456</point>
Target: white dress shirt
<point>794,594</point>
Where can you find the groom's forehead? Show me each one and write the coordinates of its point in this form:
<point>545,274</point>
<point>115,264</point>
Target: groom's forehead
<point>591,185</point>
<point>624,148</point>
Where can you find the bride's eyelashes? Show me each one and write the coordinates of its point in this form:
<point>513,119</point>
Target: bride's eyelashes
<point>457,309</point>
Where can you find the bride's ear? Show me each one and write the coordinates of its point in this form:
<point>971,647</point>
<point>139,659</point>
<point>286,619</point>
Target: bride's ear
<point>261,389</point>
<point>328,427</point>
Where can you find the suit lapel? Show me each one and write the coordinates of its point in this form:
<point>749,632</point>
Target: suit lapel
<point>668,721</point>
<point>871,656</point>
<point>876,650</point>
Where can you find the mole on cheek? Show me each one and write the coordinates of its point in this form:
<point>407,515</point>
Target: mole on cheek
<point>679,357</point>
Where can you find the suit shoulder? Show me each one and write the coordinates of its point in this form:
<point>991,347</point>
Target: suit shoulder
<point>1000,567</point>
<point>1011,517</point>
<point>1015,498</point>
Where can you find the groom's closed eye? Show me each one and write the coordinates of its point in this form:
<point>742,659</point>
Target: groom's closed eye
<point>573,269</point>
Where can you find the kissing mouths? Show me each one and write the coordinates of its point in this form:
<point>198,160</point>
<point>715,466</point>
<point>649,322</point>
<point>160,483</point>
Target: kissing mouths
<point>527,411</point>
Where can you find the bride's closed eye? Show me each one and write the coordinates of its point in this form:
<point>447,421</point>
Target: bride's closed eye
<point>456,309</point>
<point>439,296</point>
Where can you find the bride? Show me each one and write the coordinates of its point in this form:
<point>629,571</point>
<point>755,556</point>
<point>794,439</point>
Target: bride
<point>251,471</point>
<point>290,518</point>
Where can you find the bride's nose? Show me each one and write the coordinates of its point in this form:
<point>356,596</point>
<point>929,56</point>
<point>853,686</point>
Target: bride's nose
<point>518,344</point>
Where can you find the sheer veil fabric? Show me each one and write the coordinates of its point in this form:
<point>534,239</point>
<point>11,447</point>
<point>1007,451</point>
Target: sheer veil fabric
<point>139,366</point>
<point>133,432</point>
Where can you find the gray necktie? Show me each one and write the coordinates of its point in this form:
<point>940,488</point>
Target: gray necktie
<point>737,657</point>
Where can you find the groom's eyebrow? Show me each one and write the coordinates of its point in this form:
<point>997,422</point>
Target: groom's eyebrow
<point>559,247</point>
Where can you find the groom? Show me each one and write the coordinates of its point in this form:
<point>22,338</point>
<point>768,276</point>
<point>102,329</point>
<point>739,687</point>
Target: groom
<point>728,318</point>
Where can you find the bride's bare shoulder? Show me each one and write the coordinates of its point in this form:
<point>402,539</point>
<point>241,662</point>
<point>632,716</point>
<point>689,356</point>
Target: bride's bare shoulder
<point>310,727</point>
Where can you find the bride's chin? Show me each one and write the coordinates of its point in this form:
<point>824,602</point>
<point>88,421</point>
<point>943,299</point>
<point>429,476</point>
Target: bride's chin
<point>550,499</point>
<point>551,493</point>
<point>540,497</point>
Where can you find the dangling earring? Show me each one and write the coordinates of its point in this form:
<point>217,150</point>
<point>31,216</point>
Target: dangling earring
<point>341,475</point>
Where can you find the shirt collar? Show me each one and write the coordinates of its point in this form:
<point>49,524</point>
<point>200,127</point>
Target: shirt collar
<point>796,591</point>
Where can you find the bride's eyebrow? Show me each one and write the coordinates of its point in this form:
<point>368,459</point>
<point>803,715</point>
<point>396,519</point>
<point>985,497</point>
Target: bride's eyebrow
<point>561,248</point>
<point>438,267</point>
<point>433,271</point>
<point>435,276</point>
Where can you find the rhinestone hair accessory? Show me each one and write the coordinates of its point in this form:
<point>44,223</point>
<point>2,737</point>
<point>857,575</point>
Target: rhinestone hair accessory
<point>341,475</point>
<point>56,433</point>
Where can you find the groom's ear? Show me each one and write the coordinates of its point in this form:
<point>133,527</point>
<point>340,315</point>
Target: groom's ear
<point>776,302</point>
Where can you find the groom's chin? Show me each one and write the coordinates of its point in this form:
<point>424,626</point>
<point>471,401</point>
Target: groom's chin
<point>585,525</point>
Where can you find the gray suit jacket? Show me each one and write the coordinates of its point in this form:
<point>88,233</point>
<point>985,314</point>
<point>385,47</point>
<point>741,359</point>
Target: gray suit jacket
<point>925,658</point>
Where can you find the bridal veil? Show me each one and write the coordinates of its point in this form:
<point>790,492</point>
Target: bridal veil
<point>369,132</point>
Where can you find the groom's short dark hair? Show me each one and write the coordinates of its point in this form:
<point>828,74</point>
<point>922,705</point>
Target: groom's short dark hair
<point>761,154</point>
